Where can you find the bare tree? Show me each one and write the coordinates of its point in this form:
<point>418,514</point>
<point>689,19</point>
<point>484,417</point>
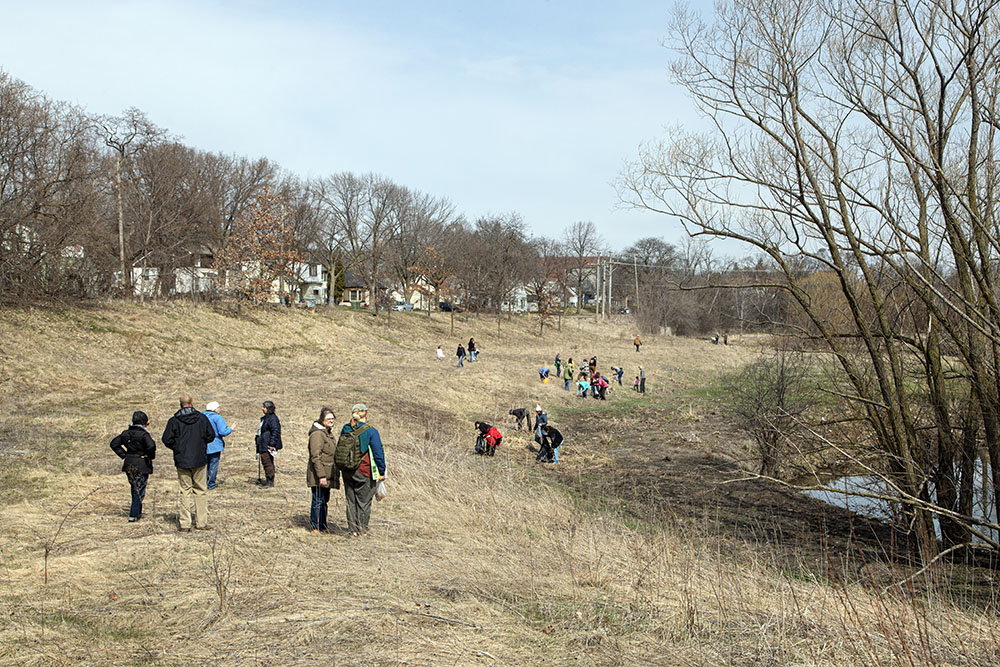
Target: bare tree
<point>126,135</point>
<point>542,278</point>
<point>583,243</point>
<point>862,137</point>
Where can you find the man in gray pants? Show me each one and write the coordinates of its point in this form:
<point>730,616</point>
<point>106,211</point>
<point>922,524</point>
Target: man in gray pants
<point>360,484</point>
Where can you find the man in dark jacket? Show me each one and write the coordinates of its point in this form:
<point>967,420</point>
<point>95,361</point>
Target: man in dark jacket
<point>549,452</point>
<point>187,434</point>
<point>135,445</point>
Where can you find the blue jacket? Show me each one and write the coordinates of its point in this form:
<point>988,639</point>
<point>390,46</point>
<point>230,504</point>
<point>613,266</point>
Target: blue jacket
<point>371,441</point>
<point>221,431</point>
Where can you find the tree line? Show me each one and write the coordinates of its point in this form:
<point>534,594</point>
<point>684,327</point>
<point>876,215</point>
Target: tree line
<point>90,203</point>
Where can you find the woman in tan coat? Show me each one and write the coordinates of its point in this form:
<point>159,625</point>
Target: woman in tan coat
<point>320,475</point>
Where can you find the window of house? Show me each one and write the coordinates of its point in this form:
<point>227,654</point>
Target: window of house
<point>313,270</point>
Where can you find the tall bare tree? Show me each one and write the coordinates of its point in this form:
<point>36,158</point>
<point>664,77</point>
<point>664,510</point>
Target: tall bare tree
<point>862,137</point>
<point>126,135</point>
<point>582,243</point>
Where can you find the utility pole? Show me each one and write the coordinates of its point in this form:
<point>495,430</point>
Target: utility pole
<point>611,275</point>
<point>635,267</point>
<point>597,291</point>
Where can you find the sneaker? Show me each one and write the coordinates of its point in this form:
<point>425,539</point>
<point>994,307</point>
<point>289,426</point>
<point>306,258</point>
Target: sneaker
<point>133,519</point>
<point>183,530</point>
<point>314,530</point>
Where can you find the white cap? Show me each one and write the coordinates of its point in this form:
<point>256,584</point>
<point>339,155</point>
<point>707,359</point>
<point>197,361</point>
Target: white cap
<point>212,406</point>
<point>538,408</point>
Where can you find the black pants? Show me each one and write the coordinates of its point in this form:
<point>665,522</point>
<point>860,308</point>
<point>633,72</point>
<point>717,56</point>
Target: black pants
<point>642,386</point>
<point>137,482</point>
<point>358,492</point>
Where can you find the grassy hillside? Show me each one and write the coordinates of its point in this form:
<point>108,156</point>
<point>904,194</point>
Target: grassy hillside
<point>470,560</point>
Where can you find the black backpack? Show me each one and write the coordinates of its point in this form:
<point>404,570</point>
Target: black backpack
<point>480,444</point>
<point>347,455</point>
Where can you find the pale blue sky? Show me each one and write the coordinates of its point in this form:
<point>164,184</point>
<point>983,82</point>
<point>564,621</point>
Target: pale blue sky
<point>524,106</point>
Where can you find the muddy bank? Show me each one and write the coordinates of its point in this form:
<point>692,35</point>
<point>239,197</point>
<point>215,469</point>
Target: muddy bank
<point>665,470</point>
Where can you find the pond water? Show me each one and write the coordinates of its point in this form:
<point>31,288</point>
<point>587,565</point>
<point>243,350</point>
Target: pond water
<point>983,506</point>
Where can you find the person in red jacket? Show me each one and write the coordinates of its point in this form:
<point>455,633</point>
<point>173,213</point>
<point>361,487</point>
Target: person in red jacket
<point>491,435</point>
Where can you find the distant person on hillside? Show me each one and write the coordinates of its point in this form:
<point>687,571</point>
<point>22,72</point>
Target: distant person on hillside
<point>635,385</point>
<point>582,386</point>
<point>602,386</point>
<point>214,452</point>
<point>473,352</point>
<point>521,414</point>
<point>491,437</point>
<point>460,353</point>
<point>187,434</point>
<point>541,419</point>
<point>637,342</point>
<point>361,483</point>
<point>592,366</point>
<point>268,441</point>
<point>567,374</point>
<point>136,447</point>
<point>320,473</point>
<point>618,371</point>
<point>543,373</point>
<point>642,380</point>
<point>715,338</point>
<point>552,441</point>
<point>571,366</point>
<point>725,338</point>
<point>557,364</point>
<point>440,354</point>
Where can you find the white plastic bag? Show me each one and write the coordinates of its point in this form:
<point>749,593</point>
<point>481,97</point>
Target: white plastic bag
<point>380,491</point>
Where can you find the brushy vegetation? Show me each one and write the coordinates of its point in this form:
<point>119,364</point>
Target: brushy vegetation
<point>471,560</point>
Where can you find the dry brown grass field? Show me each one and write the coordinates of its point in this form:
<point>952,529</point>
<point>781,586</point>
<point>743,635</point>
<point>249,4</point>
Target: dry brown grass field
<point>470,560</point>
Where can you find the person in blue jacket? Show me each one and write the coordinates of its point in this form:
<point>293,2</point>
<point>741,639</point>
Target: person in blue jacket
<point>360,484</point>
<point>214,450</point>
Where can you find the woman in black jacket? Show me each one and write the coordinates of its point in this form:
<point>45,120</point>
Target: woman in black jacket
<point>135,445</point>
<point>268,441</point>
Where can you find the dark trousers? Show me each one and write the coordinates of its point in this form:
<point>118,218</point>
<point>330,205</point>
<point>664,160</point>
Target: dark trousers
<point>544,453</point>
<point>358,493</point>
<point>137,482</point>
<point>268,462</point>
<point>603,393</point>
<point>317,513</point>
<point>642,386</point>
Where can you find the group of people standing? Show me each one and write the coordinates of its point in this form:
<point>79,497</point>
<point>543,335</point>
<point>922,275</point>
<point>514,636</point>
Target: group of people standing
<point>197,442</point>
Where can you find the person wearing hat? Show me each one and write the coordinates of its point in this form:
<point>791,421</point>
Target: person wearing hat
<point>136,447</point>
<point>214,453</point>
<point>541,419</point>
<point>360,484</point>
